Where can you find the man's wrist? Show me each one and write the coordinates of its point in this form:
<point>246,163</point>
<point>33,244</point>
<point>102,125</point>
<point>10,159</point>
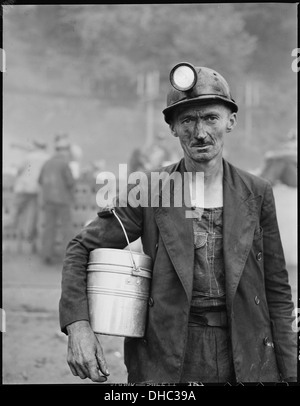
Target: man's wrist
<point>76,325</point>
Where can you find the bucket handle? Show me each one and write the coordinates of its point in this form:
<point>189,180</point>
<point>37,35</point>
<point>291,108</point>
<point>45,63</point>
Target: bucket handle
<point>135,270</point>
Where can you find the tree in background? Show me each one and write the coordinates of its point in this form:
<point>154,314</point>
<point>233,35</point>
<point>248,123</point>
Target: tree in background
<point>98,51</point>
<point>112,44</point>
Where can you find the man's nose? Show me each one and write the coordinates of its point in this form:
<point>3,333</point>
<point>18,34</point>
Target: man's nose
<point>199,130</point>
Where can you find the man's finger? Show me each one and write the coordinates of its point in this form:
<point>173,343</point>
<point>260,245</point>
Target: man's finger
<point>102,363</point>
<point>96,375</point>
<point>101,360</point>
<point>73,370</point>
<point>93,371</point>
<point>73,366</point>
<point>82,371</point>
<point>81,374</point>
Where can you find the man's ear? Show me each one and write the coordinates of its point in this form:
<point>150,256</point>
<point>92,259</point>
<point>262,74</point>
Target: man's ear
<point>232,120</point>
<point>172,128</point>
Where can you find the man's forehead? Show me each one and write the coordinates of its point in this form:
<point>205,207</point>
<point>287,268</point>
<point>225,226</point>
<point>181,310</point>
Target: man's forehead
<point>200,108</point>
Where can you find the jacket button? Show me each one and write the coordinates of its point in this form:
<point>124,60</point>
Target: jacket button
<point>150,302</point>
<point>156,246</point>
<point>257,300</point>
<point>267,342</point>
<point>259,256</point>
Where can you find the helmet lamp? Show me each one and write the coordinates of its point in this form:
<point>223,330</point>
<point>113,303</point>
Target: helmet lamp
<point>183,76</point>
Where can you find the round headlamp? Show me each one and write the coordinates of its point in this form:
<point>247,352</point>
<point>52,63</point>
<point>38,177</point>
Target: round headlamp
<point>183,76</point>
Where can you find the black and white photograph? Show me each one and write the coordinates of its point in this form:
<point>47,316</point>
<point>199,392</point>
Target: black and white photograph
<point>136,138</point>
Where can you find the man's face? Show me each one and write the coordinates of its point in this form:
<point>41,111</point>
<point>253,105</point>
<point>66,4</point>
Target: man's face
<point>201,129</point>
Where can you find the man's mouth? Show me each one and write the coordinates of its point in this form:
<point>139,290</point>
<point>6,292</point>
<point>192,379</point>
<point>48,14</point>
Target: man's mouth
<point>201,146</point>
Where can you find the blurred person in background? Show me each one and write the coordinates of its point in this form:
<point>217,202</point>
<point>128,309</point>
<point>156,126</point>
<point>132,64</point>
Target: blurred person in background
<point>160,152</point>
<point>26,189</point>
<point>97,168</point>
<point>220,306</point>
<point>75,161</point>
<point>157,154</point>
<point>137,161</point>
<point>156,157</point>
<point>280,165</point>
<point>57,189</point>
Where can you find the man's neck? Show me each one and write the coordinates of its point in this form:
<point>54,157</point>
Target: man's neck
<point>213,170</point>
<point>213,183</point>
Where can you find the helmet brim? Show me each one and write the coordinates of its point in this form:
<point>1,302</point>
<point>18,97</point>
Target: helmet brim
<point>199,100</point>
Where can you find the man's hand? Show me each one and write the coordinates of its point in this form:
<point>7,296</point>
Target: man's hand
<point>85,354</point>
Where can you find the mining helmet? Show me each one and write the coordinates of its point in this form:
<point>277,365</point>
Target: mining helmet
<point>193,85</point>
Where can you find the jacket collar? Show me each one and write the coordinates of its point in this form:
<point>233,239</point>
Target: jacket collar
<point>177,231</point>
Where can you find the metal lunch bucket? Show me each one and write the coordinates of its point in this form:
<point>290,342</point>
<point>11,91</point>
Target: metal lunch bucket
<point>118,288</point>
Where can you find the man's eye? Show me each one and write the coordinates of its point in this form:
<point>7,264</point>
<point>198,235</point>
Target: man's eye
<point>211,119</point>
<point>187,120</point>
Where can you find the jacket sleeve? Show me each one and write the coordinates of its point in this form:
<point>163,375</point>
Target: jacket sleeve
<point>103,232</point>
<point>278,290</point>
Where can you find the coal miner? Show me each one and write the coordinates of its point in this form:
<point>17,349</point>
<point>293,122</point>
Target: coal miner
<point>220,306</point>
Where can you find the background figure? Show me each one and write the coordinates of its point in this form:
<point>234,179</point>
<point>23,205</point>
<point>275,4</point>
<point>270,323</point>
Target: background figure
<point>57,184</point>
<point>96,169</point>
<point>160,152</point>
<point>137,161</point>
<point>26,190</point>
<point>75,160</point>
<point>157,154</point>
<point>280,164</point>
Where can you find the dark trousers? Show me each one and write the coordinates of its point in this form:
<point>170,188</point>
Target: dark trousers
<point>57,230</point>
<point>208,355</point>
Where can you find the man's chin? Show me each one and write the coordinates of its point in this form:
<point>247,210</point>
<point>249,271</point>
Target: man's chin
<point>203,157</point>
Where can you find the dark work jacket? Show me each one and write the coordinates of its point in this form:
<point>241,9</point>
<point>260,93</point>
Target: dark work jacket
<point>258,294</point>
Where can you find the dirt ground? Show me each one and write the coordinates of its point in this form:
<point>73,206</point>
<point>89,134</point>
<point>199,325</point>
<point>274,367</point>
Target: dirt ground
<point>34,349</point>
